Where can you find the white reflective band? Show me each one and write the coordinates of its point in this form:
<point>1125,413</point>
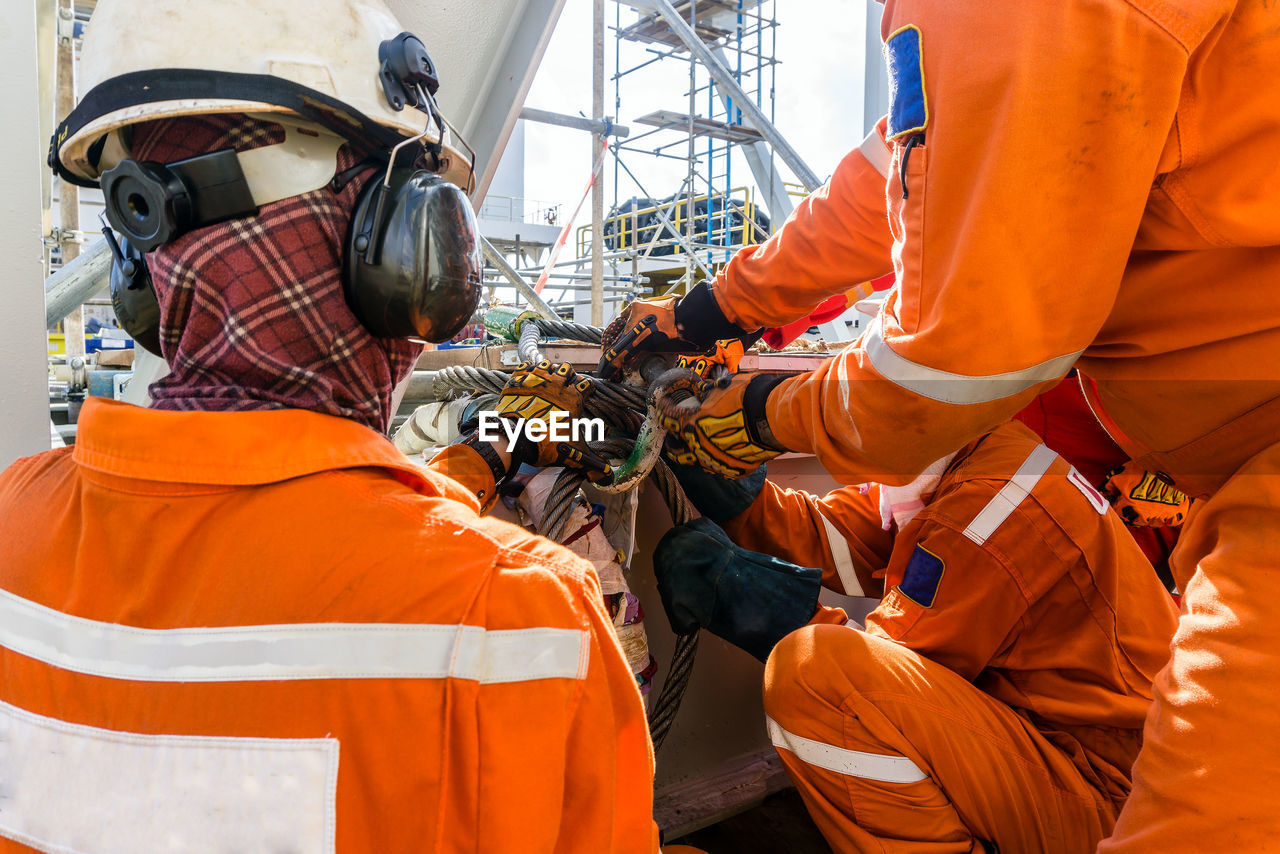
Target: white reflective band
<point>1010,495</point>
<point>70,788</point>
<point>843,559</point>
<point>877,153</point>
<point>293,651</point>
<point>852,763</point>
<point>947,387</point>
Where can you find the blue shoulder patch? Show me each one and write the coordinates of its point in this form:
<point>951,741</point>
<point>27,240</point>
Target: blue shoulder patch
<point>923,573</point>
<point>908,107</point>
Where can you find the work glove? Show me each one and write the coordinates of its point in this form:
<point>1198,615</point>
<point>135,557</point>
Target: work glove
<point>1146,499</point>
<point>720,423</point>
<point>750,599</point>
<point>538,392</point>
<point>688,324</point>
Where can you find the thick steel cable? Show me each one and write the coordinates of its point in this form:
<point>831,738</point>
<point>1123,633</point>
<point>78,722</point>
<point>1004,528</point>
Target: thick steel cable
<point>572,331</point>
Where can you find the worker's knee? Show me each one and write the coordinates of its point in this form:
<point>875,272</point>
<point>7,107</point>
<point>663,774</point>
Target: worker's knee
<point>823,665</point>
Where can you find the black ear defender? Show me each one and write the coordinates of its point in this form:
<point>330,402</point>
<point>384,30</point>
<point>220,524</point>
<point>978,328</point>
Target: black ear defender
<point>151,204</point>
<point>133,298</point>
<point>411,264</point>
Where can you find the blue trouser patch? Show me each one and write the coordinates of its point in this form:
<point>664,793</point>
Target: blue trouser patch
<point>921,578</point>
<point>908,107</point>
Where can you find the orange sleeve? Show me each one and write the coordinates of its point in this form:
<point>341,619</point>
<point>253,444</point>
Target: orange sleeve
<point>950,600</point>
<point>839,533</point>
<point>468,469</point>
<point>1025,181</point>
<point>608,795</point>
<point>835,240</point>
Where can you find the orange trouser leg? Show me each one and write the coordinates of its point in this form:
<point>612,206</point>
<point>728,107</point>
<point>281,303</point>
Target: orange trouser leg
<point>987,773</point>
<point>1206,778</point>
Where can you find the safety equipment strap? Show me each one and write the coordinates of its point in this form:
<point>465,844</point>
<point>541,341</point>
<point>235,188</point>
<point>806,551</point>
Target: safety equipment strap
<point>185,84</point>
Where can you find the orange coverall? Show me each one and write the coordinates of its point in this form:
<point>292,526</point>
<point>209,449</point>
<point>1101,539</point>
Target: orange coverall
<point>1095,184</point>
<point>271,631</point>
<point>999,690</point>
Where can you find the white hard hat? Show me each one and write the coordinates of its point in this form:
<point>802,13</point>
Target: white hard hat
<point>329,62</point>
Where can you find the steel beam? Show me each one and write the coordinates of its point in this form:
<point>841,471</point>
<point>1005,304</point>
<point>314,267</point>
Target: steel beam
<point>24,367</point>
<point>760,161</point>
<point>536,302</point>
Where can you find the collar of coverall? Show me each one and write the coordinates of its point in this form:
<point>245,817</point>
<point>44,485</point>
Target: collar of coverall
<point>239,448</point>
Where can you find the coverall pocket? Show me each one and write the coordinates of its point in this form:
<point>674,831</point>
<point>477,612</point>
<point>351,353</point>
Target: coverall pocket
<point>906,224</point>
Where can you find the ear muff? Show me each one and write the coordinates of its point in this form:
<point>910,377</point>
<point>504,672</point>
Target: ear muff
<point>151,203</point>
<point>132,295</point>
<point>411,265</point>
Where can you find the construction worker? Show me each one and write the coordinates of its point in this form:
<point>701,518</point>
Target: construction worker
<point>1091,188</point>
<point>241,620</point>
<point>999,690</point>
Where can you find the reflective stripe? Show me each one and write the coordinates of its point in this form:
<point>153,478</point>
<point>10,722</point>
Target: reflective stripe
<point>842,558</point>
<point>71,788</point>
<point>1010,495</point>
<point>851,763</point>
<point>947,387</point>
<point>877,153</point>
<point>294,651</point>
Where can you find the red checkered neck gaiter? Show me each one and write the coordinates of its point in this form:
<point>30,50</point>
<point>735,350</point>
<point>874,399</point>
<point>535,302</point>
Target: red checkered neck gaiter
<point>252,314</point>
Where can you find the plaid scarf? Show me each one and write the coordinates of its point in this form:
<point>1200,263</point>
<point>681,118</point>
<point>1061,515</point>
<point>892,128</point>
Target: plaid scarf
<point>252,314</point>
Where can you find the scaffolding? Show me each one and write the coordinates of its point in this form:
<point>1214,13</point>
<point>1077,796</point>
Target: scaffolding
<point>713,213</point>
<point>730,190</point>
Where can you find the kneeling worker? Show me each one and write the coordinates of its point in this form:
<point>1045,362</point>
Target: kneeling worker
<point>998,693</point>
<point>241,620</point>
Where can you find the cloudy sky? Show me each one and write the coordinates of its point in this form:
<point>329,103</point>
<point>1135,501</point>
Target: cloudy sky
<point>820,46</point>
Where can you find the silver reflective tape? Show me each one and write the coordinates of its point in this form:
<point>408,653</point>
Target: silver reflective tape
<point>877,153</point>
<point>946,387</point>
<point>852,763</point>
<point>290,651</point>
<point>71,788</point>
<point>842,557</point>
<point>1005,501</point>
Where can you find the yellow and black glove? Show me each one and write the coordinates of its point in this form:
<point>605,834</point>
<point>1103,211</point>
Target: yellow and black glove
<point>1146,499</point>
<point>549,395</point>
<point>721,423</point>
<point>688,324</point>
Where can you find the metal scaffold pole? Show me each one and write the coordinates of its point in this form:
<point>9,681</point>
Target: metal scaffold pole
<point>597,188</point>
<point>68,193</point>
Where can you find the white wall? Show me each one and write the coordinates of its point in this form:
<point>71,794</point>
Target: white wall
<point>24,390</point>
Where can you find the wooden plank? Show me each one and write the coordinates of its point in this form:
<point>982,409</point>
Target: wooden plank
<point>733,787</point>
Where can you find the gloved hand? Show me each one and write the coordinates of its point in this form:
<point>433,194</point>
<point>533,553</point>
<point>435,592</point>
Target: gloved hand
<point>688,324</point>
<point>536,392</point>
<point>1146,499</point>
<point>721,423</point>
<point>750,599</point>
